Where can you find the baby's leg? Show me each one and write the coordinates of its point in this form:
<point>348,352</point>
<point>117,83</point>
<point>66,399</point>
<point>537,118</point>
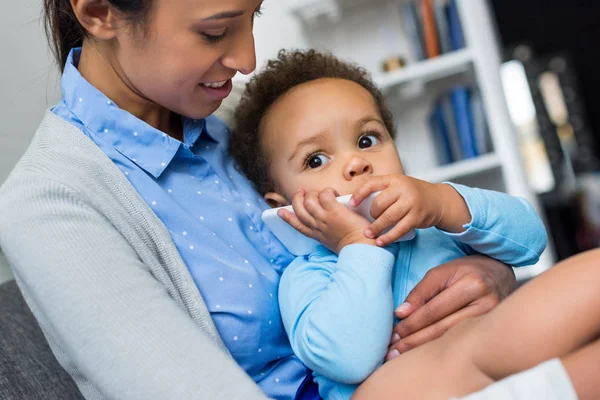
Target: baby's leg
<point>551,316</point>
<point>440,369</point>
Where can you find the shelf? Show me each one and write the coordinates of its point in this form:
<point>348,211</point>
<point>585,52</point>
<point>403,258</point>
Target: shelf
<point>428,70</point>
<point>312,11</point>
<point>461,169</point>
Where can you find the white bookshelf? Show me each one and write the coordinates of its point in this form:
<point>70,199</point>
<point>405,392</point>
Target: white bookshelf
<point>425,71</point>
<point>461,169</point>
<point>369,31</point>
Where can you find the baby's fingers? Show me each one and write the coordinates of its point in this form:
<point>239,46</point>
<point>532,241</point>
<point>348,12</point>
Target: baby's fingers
<point>389,218</point>
<point>404,226</point>
<point>374,184</point>
<point>298,202</point>
<point>327,199</point>
<point>295,223</point>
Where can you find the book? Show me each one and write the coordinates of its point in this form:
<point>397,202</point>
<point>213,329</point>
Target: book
<point>430,34</point>
<point>441,140</point>
<point>457,39</point>
<point>441,20</point>
<point>451,130</point>
<point>480,126</point>
<point>461,98</point>
<point>410,16</point>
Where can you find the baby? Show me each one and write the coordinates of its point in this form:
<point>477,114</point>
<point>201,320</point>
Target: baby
<point>311,127</point>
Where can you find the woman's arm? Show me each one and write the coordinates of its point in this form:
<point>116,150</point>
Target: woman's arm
<point>102,310</point>
<point>339,315</point>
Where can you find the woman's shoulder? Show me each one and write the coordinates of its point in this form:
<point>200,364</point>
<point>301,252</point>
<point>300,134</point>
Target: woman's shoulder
<point>60,161</point>
<point>60,152</point>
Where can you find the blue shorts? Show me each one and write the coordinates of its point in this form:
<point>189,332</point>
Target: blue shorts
<point>308,390</point>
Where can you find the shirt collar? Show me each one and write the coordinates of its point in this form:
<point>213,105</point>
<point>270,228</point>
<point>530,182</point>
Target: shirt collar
<point>149,148</point>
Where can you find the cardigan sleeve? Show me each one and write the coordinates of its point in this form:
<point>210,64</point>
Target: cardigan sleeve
<point>109,321</point>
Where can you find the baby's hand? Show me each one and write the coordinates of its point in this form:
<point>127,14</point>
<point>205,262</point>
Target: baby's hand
<point>320,216</point>
<point>410,203</point>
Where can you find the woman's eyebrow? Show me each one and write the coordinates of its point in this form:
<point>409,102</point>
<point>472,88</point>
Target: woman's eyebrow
<point>224,15</point>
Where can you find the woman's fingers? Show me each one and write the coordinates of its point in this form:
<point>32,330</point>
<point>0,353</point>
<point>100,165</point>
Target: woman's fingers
<point>429,333</point>
<point>450,300</point>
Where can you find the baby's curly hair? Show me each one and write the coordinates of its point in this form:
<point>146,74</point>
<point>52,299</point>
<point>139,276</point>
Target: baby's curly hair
<point>288,70</point>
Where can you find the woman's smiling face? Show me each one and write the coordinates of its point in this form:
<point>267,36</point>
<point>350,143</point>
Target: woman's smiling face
<point>185,56</point>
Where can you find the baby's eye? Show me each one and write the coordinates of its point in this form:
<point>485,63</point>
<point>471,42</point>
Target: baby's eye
<point>368,141</point>
<point>316,161</point>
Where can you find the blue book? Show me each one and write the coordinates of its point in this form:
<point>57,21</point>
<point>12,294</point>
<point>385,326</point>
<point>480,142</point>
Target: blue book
<point>441,20</point>
<point>448,112</point>
<point>441,140</point>
<point>457,40</point>
<point>479,123</point>
<point>410,15</point>
<point>461,104</point>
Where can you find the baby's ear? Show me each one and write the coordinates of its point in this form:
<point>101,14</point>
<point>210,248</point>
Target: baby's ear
<point>276,200</point>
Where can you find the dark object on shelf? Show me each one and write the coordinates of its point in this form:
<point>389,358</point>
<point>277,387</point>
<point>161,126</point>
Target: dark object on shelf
<point>393,63</point>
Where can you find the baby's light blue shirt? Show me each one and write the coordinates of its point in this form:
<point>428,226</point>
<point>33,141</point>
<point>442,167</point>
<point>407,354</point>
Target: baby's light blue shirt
<point>338,311</point>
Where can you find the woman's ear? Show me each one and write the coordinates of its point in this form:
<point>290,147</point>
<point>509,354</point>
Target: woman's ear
<point>276,200</point>
<point>96,17</point>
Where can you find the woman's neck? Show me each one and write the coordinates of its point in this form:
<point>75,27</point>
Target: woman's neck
<point>105,76</point>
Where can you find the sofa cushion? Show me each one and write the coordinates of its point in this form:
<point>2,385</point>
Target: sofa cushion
<point>28,369</point>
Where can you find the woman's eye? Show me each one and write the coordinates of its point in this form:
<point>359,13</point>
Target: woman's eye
<point>316,161</point>
<point>214,38</point>
<point>368,141</point>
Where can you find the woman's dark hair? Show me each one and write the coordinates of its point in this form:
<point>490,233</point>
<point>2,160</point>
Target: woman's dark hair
<point>288,70</point>
<point>65,32</point>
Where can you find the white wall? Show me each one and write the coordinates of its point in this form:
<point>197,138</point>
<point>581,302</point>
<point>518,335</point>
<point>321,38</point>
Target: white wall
<point>276,29</point>
<point>28,79</point>
<point>28,84</point>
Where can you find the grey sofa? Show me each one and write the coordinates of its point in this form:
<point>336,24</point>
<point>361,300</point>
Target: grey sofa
<point>28,369</point>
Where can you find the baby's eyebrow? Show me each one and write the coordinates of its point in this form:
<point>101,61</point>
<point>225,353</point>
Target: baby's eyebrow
<point>366,120</point>
<point>312,140</point>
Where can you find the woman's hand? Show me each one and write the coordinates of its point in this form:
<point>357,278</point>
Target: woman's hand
<point>461,288</point>
<point>407,203</point>
<point>320,216</point>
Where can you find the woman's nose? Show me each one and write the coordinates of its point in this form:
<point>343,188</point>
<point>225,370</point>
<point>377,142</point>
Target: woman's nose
<point>357,166</point>
<point>242,54</point>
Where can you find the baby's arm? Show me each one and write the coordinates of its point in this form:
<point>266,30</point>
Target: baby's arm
<point>339,316</point>
<point>503,227</point>
<point>491,223</point>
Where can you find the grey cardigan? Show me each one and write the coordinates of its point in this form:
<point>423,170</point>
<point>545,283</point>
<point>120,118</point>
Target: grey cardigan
<point>102,276</point>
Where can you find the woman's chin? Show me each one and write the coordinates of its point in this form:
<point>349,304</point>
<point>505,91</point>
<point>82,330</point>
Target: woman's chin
<point>202,110</point>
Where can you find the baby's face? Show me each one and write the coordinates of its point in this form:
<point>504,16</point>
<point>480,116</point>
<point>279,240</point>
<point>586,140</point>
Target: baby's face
<point>325,133</point>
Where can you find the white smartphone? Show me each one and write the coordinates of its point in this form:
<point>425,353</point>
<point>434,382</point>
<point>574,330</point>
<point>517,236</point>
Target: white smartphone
<point>300,245</point>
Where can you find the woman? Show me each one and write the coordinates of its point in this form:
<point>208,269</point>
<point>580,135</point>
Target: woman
<point>135,241</point>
